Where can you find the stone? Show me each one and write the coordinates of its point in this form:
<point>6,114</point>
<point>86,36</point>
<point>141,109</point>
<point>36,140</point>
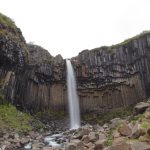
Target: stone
<point>125,130</point>
<point>144,138</point>
<point>82,132</point>
<point>36,146</point>
<point>16,136</point>
<point>136,131</point>
<point>102,136</point>
<point>47,148</point>
<point>119,140</point>
<point>90,145</point>
<point>24,141</point>
<point>121,146</point>
<point>147,113</point>
<point>93,136</point>
<point>78,144</point>
<point>141,107</point>
<point>70,146</point>
<point>115,122</point>
<point>99,145</point>
<point>85,139</point>
<point>148,131</point>
<point>116,134</point>
<point>140,146</point>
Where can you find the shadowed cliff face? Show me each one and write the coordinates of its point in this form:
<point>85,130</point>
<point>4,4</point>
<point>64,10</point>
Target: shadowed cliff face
<point>107,77</point>
<point>110,77</point>
<point>40,85</point>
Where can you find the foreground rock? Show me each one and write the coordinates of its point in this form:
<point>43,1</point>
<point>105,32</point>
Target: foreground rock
<point>141,107</point>
<point>126,134</point>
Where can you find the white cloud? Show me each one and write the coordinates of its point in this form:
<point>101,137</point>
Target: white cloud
<point>69,26</point>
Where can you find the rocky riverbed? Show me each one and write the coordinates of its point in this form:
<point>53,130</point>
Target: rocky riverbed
<point>130,133</point>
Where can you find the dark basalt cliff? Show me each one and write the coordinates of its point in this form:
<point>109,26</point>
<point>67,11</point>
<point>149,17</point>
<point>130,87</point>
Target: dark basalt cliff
<point>107,77</point>
<point>110,77</point>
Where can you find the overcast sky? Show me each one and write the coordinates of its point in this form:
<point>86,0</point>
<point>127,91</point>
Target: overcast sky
<point>68,26</point>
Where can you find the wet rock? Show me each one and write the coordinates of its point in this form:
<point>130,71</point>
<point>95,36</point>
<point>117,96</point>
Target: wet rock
<point>36,146</point>
<point>24,141</point>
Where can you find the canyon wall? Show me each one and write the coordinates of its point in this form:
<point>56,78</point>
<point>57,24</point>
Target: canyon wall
<point>107,77</point>
<point>110,77</point>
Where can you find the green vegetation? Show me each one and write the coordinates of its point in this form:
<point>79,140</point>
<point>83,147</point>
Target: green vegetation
<point>7,21</point>
<point>101,119</point>
<point>112,49</point>
<point>130,39</point>
<point>109,138</point>
<point>12,119</point>
<point>15,120</point>
<point>50,115</point>
<point>145,125</point>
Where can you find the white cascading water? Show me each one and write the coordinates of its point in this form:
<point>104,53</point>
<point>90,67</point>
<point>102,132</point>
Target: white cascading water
<point>74,110</point>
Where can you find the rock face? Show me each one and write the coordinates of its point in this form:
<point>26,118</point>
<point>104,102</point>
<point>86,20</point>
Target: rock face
<point>110,77</point>
<point>107,77</point>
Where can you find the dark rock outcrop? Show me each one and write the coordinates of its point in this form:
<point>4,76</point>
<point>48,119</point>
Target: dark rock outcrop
<point>107,77</point>
<point>116,76</point>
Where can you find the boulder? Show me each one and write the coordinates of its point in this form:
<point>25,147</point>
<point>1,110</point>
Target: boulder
<point>99,145</point>
<point>148,131</point>
<point>85,139</point>
<point>140,146</point>
<point>125,130</point>
<point>141,107</point>
<point>115,122</point>
<point>116,134</point>
<point>90,146</point>
<point>121,146</point>
<point>93,136</point>
<point>77,144</point>
<point>70,146</point>
<point>136,131</point>
<point>147,113</point>
<point>82,132</point>
<point>102,136</point>
<point>37,146</point>
<point>144,138</point>
<point>119,140</point>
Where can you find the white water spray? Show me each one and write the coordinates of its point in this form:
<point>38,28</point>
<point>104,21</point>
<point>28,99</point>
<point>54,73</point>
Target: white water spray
<point>74,110</point>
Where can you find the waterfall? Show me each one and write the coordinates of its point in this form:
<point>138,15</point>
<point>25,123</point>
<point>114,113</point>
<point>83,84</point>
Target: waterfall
<point>74,110</point>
